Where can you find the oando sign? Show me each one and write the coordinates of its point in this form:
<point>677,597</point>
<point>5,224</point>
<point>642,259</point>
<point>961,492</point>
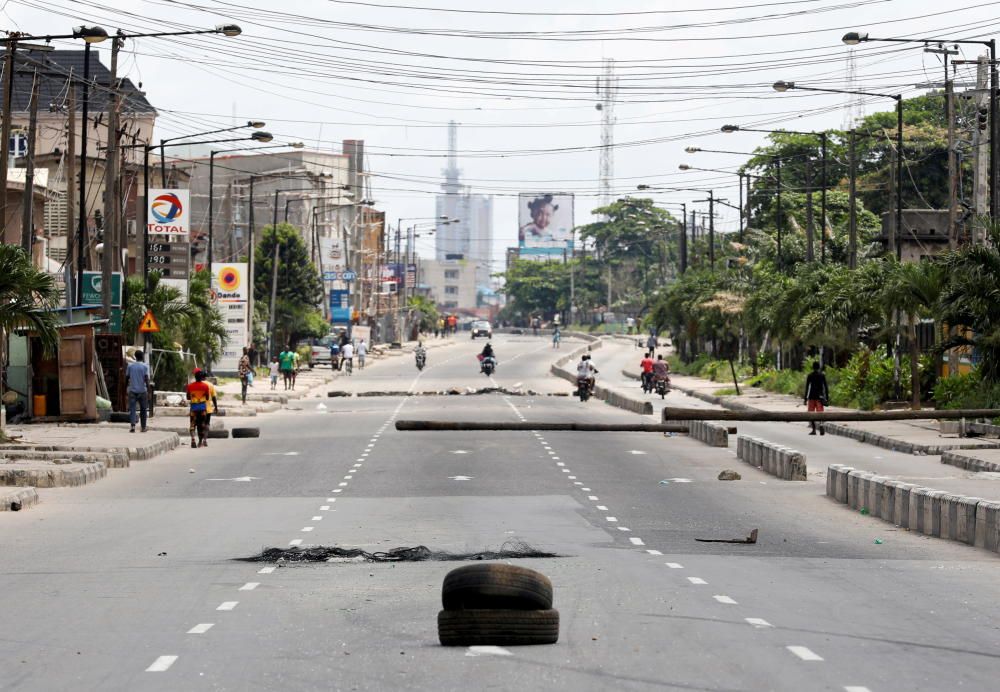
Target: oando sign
<point>168,212</point>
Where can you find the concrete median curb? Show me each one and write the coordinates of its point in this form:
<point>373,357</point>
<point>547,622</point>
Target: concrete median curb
<point>21,497</point>
<point>605,394</point>
<point>776,460</point>
<point>969,463</point>
<point>969,520</point>
<point>50,474</point>
<point>712,434</point>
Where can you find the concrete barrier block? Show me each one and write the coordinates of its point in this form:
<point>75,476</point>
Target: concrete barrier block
<point>887,499</point>
<point>873,496</point>
<point>831,475</point>
<point>958,517</point>
<point>840,484</point>
<point>988,526</point>
<point>918,499</point>
<point>932,513</point>
<point>901,504</point>
<point>854,497</point>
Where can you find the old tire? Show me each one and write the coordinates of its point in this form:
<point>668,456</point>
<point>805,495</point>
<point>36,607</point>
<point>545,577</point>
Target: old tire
<point>496,586</point>
<point>218,434</point>
<point>119,417</point>
<point>498,627</point>
<point>246,432</point>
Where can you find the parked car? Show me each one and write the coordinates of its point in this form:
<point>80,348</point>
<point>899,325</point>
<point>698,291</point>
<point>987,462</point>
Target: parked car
<point>320,354</point>
<point>482,328</point>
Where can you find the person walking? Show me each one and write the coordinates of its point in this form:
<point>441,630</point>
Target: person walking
<point>137,380</point>
<point>556,338</point>
<point>273,369</point>
<point>362,352</point>
<point>347,354</point>
<point>198,393</point>
<point>244,370</point>
<point>440,327</point>
<point>817,395</point>
<point>296,364</point>
<point>286,361</point>
<point>651,344</point>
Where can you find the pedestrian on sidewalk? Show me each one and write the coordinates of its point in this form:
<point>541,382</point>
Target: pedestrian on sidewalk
<point>286,361</point>
<point>272,370</point>
<point>817,395</point>
<point>296,364</point>
<point>556,338</point>
<point>244,372</point>
<point>137,378</point>
<point>362,352</point>
<point>651,344</point>
<point>198,393</point>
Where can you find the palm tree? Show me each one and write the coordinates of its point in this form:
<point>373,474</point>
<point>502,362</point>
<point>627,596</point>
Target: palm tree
<point>27,297</point>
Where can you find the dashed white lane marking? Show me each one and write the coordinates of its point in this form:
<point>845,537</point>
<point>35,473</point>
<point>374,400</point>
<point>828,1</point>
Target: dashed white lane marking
<point>266,570</point>
<point>592,498</point>
<point>804,653</point>
<point>324,508</point>
<point>654,552</point>
<point>307,529</point>
<point>586,490</point>
<point>759,623</point>
<point>249,586</point>
<point>227,605</point>
<point>460,478</point>
<point>560,464</point>
<point>635,451</point>
<point>201,629</point>
<point>624,528</point>
<point>852,688</point>
<point>459,451</point>
<point>566,470</point>
<point>555,457</point>
<point>577,483</point>
<point>724,599</point>
<point>161,664</point>
<point>295,542</point>
<point>571,477</point>
<point>337,490</point>
<point>342,484</point>
<point>347,477</point>
<point>675,565</point>
<point>317,518</point>
<point>611,519</point>
<point>636,541</point>
<point>602,508</point>
<point>331,499</point>
<point>697,580</point>
<point>487,651</point>
<point>357,466</point>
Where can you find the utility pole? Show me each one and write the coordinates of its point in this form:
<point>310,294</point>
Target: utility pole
<point>823,209</point>
<point>27,220</point>
<point>683,242</point>
<point>81,236</point>
<point>112,204</point>
<point>893,231</point>
<point>852,212</point>
<point>8,109</point>
<point>810,222</point>
<point>71,259</point>
<point>949,99</point>
<point>981,144</point>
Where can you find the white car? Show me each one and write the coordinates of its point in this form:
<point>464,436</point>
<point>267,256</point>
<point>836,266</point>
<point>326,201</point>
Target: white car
<point>482,328</point>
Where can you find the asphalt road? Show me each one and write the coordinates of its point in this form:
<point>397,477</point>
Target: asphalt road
<point>132,584</point>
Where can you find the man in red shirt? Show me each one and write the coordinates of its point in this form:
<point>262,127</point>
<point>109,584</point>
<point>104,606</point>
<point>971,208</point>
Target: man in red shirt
<point>199,393</point>
<point>647,371</point>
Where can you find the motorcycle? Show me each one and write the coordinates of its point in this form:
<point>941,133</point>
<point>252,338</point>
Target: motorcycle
<point>583,388</point>
<point>421,359</point>
<point>489,365</point>
<point>662,387</point>
<point>335,361</point>
<point>647,382</point>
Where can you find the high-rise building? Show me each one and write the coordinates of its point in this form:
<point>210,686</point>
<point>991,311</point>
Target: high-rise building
<point>470,238</point>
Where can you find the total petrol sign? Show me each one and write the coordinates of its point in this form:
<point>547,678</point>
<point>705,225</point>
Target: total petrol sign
<point>168,212</point>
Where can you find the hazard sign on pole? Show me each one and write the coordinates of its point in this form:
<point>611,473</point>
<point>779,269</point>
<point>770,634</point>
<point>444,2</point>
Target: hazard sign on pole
<point>148,323</point>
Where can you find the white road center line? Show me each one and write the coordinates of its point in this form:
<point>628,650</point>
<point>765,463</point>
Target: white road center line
<point>759,623</point>
<point>804,653</point>
<point>307,529</point>
<point>342,484</point>
<point>592,498</point>
<point>852,688</point>
<point>571,477</point>
<point>654,552</point>
<point>724,599</point>
<point>331,499</point>
<point>266,570</point>
<point>249,586</point>
<point>324,508</point>
<point>560,464</point>
<point>602,508</point>
<point>675,565</point>
<point>487,651</point>
<point>337,490</point>
<point>697,580</point>
<point>201,629</point>
<point>624,528</point>
<point>317,518</point>
<point>636,541</point>
<point>297,541</point>
<point>347,478</point>
<point>161,664</point>
<point>227,605</point>
<point>555,457</point>
<point>611,518</point>
<point>586,490</point>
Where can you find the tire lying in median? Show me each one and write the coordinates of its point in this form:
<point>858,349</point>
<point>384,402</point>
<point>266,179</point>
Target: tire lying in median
<point>246,432</point>
<point>496,586</point>
<point>498,627</point>
<point>218,434</point>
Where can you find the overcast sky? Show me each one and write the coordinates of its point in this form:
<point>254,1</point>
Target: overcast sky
<point>520,77</point>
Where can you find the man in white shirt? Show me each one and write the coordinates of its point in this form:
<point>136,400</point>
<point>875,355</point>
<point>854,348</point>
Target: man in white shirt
<point>347,354</point>
<point>585,368</point>
<point>362,352</point>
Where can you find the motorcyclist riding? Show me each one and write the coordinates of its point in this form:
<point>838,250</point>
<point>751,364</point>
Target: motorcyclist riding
<point>585,370</point>
<point>647,371</point>
<point>420,355</point>
<point>487,354</point>
<point>661,370</point>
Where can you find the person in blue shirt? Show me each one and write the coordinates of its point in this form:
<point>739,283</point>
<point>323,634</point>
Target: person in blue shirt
<point>137,383</point>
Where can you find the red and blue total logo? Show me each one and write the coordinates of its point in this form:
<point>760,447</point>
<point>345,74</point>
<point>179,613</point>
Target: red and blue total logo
<point>166,208</point>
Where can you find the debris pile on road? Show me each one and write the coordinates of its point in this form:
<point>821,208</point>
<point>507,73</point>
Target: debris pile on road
<point>321,553</point>
<point>729,475</point>
<point>497,604</point>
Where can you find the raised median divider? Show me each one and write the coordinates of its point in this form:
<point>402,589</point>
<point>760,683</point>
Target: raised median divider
<point>712,434</point>
<point>776,460</point>
<point>600,392</point>
<point>969,462</point>
<point>969,520</point>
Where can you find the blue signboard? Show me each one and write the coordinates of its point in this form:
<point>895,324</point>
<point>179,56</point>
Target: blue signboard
<point>348,275</point>
<point>340,306</point>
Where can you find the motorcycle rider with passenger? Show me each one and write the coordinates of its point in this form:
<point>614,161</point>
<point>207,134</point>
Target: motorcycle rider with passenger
<point>661,370</point>
<point>585,370</point>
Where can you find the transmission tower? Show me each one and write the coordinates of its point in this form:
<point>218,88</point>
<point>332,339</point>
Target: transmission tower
<point>607,90</point>
<point>854,109</point>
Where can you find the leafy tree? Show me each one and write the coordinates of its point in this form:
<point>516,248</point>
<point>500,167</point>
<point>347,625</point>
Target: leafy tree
<point>300,290</point>
<point>423,313</point>
<point>172,313</point>
<point>203,330</point>
<point>27,297</point>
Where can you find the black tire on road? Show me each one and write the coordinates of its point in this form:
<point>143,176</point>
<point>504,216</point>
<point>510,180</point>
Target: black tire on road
<point>119,417</point>
<point>498,627</point>
<point>246,432</point>
<point>218,434</point>
<point>496,586</point>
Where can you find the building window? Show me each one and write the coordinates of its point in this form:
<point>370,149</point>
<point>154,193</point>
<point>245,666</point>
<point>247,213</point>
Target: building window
<point>451,273</point>
<point>451,290</point>
<point>17,146</point>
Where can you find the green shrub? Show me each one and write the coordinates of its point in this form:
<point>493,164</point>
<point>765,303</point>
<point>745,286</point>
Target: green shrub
<point>966,391</point>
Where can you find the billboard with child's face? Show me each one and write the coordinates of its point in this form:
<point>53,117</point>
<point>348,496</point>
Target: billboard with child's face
<point>545,223</point>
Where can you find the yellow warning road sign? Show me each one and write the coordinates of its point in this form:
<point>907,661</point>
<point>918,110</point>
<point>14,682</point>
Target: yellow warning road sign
<point>148,323</point>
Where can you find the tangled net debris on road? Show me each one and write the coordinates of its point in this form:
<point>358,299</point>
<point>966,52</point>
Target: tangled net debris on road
<point>321,553</point>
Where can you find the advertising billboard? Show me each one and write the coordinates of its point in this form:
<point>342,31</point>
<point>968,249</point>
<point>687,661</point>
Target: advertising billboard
<point>545,224</point>
<point>168,212</point>
<point>230,293</point>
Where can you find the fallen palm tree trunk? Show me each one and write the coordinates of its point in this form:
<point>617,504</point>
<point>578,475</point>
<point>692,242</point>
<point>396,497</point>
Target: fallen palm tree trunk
<point>691,414</point>
<point>428,425</point>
